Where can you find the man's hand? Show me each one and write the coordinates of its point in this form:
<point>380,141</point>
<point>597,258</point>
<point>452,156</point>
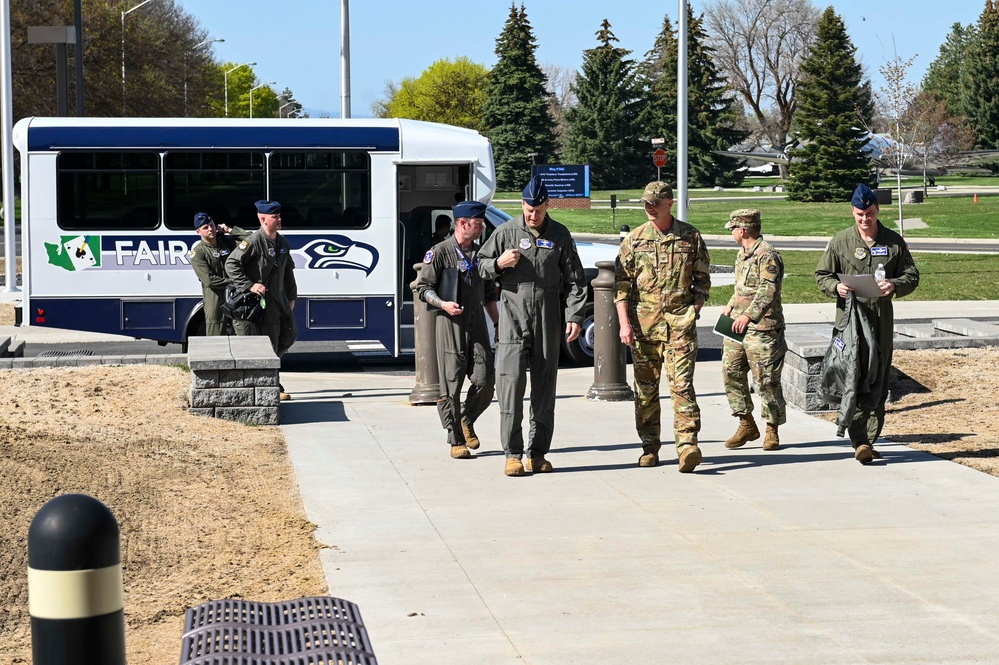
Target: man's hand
<point>626,333</point>
<point>572,331</point>
<point>452,308</point>
<point>291,304</point>
<point>726,311</point>
<point>508,259</point>
<point>842,289</point>
<point>225,228</point>
<point>740,324</point>
<point>887,287</point>
<point>259,289</point>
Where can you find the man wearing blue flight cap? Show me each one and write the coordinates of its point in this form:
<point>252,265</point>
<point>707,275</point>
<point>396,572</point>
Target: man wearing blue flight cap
<point>262,263</point>
<point>462,337</point>
<point>535,261</point>
<point>208,257</point>
<point>869,248</point>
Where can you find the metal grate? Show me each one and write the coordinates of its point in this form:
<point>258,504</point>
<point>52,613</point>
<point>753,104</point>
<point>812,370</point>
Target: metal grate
<point>320,630</point>
<point>64,354</point>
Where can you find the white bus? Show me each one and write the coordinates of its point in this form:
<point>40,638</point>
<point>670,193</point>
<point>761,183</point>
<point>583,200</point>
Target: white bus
<point>108,207</point>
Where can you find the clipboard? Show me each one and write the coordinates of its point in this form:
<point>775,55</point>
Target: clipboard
<point>864,285</point>
<point>447,289</point>
<point>723,328</point>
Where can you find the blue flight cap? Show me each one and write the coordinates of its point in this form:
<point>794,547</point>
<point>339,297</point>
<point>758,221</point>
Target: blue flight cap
<point>268,207</point>
<point>200,219</point>
<point>535,193</point>
<point>863,197</point>
<point>469,209</point>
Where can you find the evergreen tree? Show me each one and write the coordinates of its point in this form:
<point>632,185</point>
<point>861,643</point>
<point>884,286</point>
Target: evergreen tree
<point>831,106</point>
<point>515,113</point>
<point>945,75</point>
<point>602,129</point>
<point>711,112</point>
<point>981,81</point>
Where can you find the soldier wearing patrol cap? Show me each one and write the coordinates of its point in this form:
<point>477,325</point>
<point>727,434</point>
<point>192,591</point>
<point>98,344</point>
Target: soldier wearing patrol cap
<point>208,257</point>
<point>859,250</point>
<point>662,281</point>
<point>535,261</point>
<point>463,344</point>
<point>263,264</point>
<point>756,307</point>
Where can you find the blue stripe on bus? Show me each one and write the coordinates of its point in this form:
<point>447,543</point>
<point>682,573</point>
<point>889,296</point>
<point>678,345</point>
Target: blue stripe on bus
<point>104,315</point>
<point>215,138</point>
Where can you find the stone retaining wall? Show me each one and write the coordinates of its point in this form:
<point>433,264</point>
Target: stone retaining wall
<point>234,378</point>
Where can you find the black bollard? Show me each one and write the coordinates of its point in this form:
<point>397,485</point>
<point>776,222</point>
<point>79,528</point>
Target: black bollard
<point>610,356</point>
<point>428,387</point>
<point>75,591</point>
<point>625,230</point>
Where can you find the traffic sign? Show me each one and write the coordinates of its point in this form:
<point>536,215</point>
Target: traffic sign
<point>659,158</point>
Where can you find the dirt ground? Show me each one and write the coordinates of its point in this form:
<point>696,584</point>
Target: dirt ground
<point>210,510</point>
<point>207,509</point>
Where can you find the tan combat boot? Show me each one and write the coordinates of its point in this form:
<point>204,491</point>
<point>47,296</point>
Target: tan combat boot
<point>471,440</point>
<point>864,453</point>
<point>748,431</point>
<point>690,457</point>
<point>460,452</point>
<point>514,467</point>
<point>651,454</point>
<point>771,441</point>
<point>540,465</point>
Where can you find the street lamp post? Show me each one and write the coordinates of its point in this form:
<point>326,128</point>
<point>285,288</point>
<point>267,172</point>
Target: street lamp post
<point>245,64</point>
<point>254,88</point>
<point>281,115</point>
<point>123,14</point>
<point>194,48</point>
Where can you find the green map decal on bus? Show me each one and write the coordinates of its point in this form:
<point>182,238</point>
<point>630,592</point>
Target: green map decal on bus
<point>75,252</point>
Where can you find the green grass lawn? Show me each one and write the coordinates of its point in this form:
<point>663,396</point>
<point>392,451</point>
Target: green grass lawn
<point>941,277</point>
<point>951,217</point>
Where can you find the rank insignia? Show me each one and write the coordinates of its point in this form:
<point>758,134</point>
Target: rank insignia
<point>525,243</point>
<point>429,256</point>
<point>860,252</point>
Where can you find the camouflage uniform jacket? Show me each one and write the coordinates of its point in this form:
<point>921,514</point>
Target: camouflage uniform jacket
<point>269,262</point>
<point>662,276</point>
<point>759,274</point>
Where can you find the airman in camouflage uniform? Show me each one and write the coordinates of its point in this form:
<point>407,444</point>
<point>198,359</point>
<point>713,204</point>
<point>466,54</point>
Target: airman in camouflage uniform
<point>461,334</point>
<point>858,250</point>
<point>756,307</point>
<point>662,281</point>
<point>208,257</point>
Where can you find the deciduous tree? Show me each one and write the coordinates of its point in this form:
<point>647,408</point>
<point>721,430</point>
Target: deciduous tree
<point>448,92</point>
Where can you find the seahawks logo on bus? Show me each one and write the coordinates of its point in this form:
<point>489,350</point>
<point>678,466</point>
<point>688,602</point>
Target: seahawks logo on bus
<point>340,252</point>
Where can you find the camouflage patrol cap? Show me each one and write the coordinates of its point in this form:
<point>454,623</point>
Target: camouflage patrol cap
<point>747,218</point>
<point>657,192</point>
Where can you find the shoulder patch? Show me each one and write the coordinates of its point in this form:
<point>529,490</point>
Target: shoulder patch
<point>191,253</point>
<point>429,256</point>
<point>243,245</point>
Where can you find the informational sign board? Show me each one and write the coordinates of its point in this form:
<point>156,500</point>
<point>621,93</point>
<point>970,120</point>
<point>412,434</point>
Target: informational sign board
<point>564,181</point>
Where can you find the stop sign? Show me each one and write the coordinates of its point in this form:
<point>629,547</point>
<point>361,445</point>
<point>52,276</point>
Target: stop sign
<point>659,158</point>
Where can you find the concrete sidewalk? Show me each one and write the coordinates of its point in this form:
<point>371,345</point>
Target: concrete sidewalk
<point>795,556</point>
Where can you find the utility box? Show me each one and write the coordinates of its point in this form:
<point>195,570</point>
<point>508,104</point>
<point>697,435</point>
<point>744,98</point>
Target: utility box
<point>884,196</point>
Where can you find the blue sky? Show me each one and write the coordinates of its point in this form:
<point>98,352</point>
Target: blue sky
<point>297,42</point>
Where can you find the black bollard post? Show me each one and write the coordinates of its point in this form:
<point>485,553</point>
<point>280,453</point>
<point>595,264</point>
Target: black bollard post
<point>610,356</point>
<point>75,591</point>
<point>428,388</point>
<point>625,230</point>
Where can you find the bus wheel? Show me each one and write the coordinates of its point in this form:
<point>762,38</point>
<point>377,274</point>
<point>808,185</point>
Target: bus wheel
<point>580,350</point>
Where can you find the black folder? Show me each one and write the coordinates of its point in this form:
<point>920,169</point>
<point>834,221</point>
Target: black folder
<point>447,289</point>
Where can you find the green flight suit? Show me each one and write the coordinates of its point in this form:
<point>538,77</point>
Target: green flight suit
<point>463,344</point>
<point>208,262</point>
<point>847,253</point>
<point>531,324</point>
<point>663,277</point>
<point>269,262</point>
<point>759,276</point>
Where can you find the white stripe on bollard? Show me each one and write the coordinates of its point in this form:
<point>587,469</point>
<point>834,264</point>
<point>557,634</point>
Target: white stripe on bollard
<point>75,594</point>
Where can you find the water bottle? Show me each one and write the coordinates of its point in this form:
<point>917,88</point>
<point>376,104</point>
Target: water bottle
<point>879,274</point>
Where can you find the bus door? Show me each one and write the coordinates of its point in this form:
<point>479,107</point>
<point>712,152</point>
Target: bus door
<point>426,193</point>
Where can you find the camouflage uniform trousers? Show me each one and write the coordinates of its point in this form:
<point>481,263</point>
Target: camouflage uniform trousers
<point>762,352</point>
<point>677,357</point>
